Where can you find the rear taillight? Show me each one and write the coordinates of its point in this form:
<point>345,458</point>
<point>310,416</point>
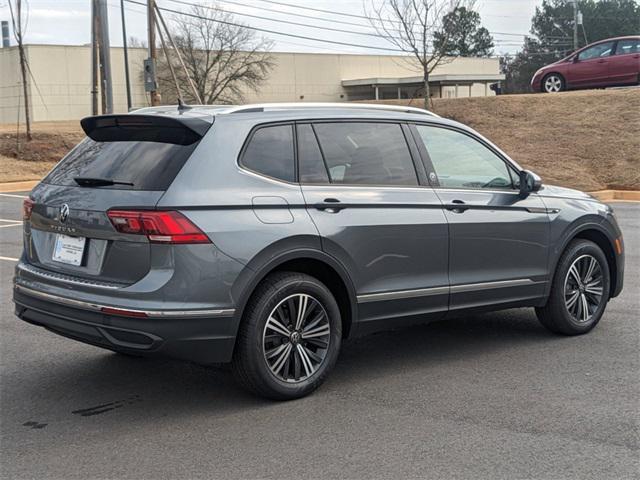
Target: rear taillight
<point>27,208</point>
<point>159,227</point>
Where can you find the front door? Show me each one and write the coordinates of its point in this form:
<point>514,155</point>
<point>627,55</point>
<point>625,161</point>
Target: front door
<point>592,66</point>
<point>362,191</point>
<point>498,240</point>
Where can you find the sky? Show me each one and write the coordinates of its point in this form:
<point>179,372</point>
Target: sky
<point>67,22</point>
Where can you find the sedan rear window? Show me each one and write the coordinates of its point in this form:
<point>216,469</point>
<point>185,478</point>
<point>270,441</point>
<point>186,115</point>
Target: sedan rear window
<point>145,165</point>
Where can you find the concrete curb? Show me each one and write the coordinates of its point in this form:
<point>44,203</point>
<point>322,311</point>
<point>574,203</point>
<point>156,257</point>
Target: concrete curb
<point>603,195</point>
<point>18,186</point>
<point>617,195</point>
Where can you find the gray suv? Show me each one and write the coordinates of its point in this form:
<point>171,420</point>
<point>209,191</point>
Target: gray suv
<point>264,235</point>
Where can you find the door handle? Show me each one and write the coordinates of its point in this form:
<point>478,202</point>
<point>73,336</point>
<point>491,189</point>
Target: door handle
<point>602,61</point>
<point>457,206</point>
<point>329,205</point>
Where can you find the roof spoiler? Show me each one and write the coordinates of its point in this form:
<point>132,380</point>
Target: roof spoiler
<point>145,128</point>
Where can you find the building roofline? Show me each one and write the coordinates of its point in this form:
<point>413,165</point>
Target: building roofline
<point>446,77</point>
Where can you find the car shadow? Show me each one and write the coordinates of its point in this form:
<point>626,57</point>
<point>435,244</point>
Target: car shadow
<point>129,389</point>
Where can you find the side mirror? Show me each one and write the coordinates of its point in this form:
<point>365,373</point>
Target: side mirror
<point>529,182</point>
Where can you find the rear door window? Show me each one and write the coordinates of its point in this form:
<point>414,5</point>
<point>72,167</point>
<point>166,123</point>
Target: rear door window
<point>270,152</point>
<point>310,161</point>
<point>146,165</point>
<point>628,46</point>
<point>366,153</point>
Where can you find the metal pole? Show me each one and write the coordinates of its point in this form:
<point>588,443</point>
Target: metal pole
<point>575,25</point>
<point>126,56</point>
<point>151,27</point>
<point>94,58</point>
<point>105,55</point>
<point>175,48</point>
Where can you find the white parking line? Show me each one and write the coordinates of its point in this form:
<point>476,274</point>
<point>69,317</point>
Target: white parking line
<point>9,259</point>
<point>12,225</point>
<point>11,195</point>
<point>11,220</point>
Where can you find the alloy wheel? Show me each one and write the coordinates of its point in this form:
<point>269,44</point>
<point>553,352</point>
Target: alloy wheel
<point>583,288</point>
<point>553,84</point>
<point>296,337</point>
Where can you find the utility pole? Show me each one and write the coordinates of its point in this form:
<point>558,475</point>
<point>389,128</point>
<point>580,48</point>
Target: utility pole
<point>126,56</point>
<point>575,24</point>
<point>105,56</point>
<point>94,57</point>
<point>150,68</point>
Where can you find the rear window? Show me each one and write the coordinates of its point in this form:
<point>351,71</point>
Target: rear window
<point>270,152</point>
<point>147,165</point>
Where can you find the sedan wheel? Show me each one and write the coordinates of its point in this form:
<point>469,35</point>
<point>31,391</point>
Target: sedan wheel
<point>553,84</point>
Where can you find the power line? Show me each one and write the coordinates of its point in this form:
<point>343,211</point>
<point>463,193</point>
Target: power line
<point>273,32</point>
<point>288,22</point>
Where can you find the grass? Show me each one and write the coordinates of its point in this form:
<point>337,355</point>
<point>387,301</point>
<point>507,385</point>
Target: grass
<point>588,140</point>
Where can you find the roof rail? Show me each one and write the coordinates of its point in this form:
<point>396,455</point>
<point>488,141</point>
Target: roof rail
<point>264,107</point>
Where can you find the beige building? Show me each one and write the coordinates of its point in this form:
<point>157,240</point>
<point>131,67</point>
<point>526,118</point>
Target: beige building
<point>61,85</point>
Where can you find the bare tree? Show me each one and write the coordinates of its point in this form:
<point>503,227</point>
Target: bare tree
<point>411,26</point>
<point>222,59</point>
<point>19,27</point>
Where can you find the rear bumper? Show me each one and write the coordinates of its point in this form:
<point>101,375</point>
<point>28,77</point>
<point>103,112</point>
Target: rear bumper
<point>203,337</point>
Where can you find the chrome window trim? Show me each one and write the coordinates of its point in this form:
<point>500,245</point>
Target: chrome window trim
<point>425,292</point>
<point>98,307</point>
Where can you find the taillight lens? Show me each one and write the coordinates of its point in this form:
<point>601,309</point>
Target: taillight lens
<point>27,208</point>
<point>159,227</point>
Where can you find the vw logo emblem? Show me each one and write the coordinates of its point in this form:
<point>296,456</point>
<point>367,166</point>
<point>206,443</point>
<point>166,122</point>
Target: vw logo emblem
<point>64,213</point>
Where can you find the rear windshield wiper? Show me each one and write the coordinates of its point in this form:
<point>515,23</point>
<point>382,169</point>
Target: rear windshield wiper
<point>98,182</point>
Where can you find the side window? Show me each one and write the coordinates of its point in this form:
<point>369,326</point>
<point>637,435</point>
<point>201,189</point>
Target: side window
<point>310,161</point>
<point>366,153</point>
<point>628,46</point>
<point>460,161</point>
<point>600,50</point>
<point>270,152</point>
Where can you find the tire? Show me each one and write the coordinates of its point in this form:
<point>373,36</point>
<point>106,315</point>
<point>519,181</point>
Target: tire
<point>269,360</point>
<point>553,83</point>
<point>565,310</point>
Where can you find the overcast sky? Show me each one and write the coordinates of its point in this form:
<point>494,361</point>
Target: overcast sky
<point>68,22</point>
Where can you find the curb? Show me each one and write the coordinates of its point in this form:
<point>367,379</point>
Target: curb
<point>617,195</point>
<point>18,186</point>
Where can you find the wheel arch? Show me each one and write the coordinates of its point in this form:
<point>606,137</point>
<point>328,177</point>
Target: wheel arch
<point>313,262</point>
<point>598,235</point>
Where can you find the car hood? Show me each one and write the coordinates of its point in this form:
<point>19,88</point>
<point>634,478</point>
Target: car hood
<point>563,192</point>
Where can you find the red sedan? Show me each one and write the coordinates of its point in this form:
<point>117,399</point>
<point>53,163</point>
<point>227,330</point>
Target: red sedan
<point>606,63</point>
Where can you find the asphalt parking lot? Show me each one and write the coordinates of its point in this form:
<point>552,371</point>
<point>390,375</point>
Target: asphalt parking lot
<point>490,396</point>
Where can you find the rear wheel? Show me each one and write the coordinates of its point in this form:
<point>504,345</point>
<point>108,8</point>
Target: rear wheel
<point>553,83</point>
<point>579,292</point>
<point>289,338</point>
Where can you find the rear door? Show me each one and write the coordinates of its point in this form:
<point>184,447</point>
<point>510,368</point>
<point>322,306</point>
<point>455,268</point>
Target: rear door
<point>498,239</point>
<point>374,214</point>
<point>127,161</point>
<point>592,66</point>
<point>625,64</point>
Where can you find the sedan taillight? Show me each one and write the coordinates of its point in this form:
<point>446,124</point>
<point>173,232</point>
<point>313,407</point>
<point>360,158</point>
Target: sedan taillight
<point>158,226</point>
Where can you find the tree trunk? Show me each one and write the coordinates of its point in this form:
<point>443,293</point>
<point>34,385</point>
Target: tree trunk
<point>426,89</point>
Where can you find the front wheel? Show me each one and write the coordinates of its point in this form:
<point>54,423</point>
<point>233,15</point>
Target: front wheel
<point>579,292</point>
<point>289,337</point>
<point>553,83</point>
